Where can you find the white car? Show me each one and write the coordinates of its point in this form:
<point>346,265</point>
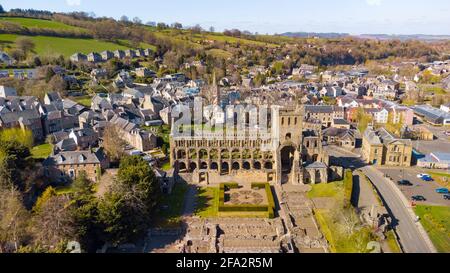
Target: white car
<point>420,175</point>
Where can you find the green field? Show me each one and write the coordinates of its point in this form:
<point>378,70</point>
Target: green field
<point>170,208</point>
<point>41,151</point>
<point>436,221</point>
<point>335,189</point>
<point>63,46</point>
<point>39,23</point>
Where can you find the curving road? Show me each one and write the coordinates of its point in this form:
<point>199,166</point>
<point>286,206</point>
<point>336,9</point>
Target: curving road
<point>412,237</point>
<point>411,234</point>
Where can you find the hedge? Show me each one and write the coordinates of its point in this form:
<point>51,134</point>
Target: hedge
<point>348,188</point>
<point>247,208</point>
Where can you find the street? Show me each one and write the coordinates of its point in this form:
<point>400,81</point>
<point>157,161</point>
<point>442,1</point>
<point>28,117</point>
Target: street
<point>412,238</point>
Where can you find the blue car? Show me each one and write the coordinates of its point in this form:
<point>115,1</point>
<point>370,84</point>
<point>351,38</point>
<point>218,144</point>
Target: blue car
<point>442,191</point>
<point>427,178</point>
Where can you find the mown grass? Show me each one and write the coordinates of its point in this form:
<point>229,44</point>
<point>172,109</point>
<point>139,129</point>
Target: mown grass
<point>442,179</point>
<point>85,100</point>
<point>170,208</point>
<point>41,151</point>
<point>51,46</point>
<point>207,202</point>
<point>39,23</point>
<point>436,221</point>
<point>334,189</point>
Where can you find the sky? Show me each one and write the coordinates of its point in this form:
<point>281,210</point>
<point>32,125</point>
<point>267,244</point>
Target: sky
<point>272,16</point>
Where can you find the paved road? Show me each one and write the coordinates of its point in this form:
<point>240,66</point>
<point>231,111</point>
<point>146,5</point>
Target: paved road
<point>411,238</point>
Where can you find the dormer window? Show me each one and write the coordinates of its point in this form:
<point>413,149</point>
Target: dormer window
<point>81,158</point>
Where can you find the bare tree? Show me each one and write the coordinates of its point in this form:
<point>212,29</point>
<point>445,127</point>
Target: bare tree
<point>13,220</point>
<point>113,144</point>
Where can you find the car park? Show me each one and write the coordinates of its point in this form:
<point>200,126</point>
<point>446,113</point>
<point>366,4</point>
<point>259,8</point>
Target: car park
<point>447,196</point>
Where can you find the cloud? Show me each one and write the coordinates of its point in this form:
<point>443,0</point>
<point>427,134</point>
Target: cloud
<point>73,3</point>
<point>374,2</point>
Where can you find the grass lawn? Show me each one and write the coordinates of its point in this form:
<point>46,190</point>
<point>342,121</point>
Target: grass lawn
<point>85,100</point>
<point>436,221</point>
<point>66,46</point>
<point>442,179</point>
<point>41,151</point>
<point>208,202</point>
<point>170,208</point>
<point>39,23</point>
<point>392,242</point>
<point>64,190</point>
<point>334,189</point>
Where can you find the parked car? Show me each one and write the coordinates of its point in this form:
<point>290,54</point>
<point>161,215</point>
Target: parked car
<point>427,178</point>
<point>420,175</point>
<point>418,198</point>
<point>404,183</point>
<point>447,196</point>
<point>442,191</point>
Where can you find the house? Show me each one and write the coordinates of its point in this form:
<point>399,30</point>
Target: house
<point>26,119</point>
<point>380,116</point>
<point>6,59</point>
<point>130,133</point>
<point>94,57</point>
<point>119,54</point>
<point>57,120</point>
<point>340,136</point>
<point>324,113</point>
<point>144,72</point>
<point>78,57</point>
<point>52,97</point>
<point>7,92</point>
<point>84,137</point>
<point>66,166</point>
<point>331,91</point>
<point>148,52</point>
<point>130,53</point>
<point>139,52</point>
<point>99,73</point>
<point>107,55</point>
<point>340,123</point>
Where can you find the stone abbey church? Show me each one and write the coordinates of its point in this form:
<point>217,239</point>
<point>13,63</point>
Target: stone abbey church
<point>297,156</point>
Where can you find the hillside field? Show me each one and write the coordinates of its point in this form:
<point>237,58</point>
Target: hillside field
<point>66,46</point>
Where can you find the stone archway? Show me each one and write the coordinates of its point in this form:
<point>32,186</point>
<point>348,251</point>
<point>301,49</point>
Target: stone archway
<point>181,154</point>
<point>214,166</point>
<point>193,166</point>
<point>235,166</point>
<point>225,168</point>
<point>203,166</point>
<point>182,166</point>
<point>268,165</point>
<point>257,165</point>
<point>287,158</point>
<point>246,165</point>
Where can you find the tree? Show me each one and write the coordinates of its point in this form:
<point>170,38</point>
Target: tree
<point>45,196</point>
<point>125,210</point>
<point>177,25</point>
<point>25,44</point>
<point>13,162</point>
<point>124,19</point>
<point>1,9</point>
<point>212,29</point>
<point>13,220</point>
<point>113,144</point>
<point>22,136</point>
<point>53,224</point>
<point>137,21</point>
